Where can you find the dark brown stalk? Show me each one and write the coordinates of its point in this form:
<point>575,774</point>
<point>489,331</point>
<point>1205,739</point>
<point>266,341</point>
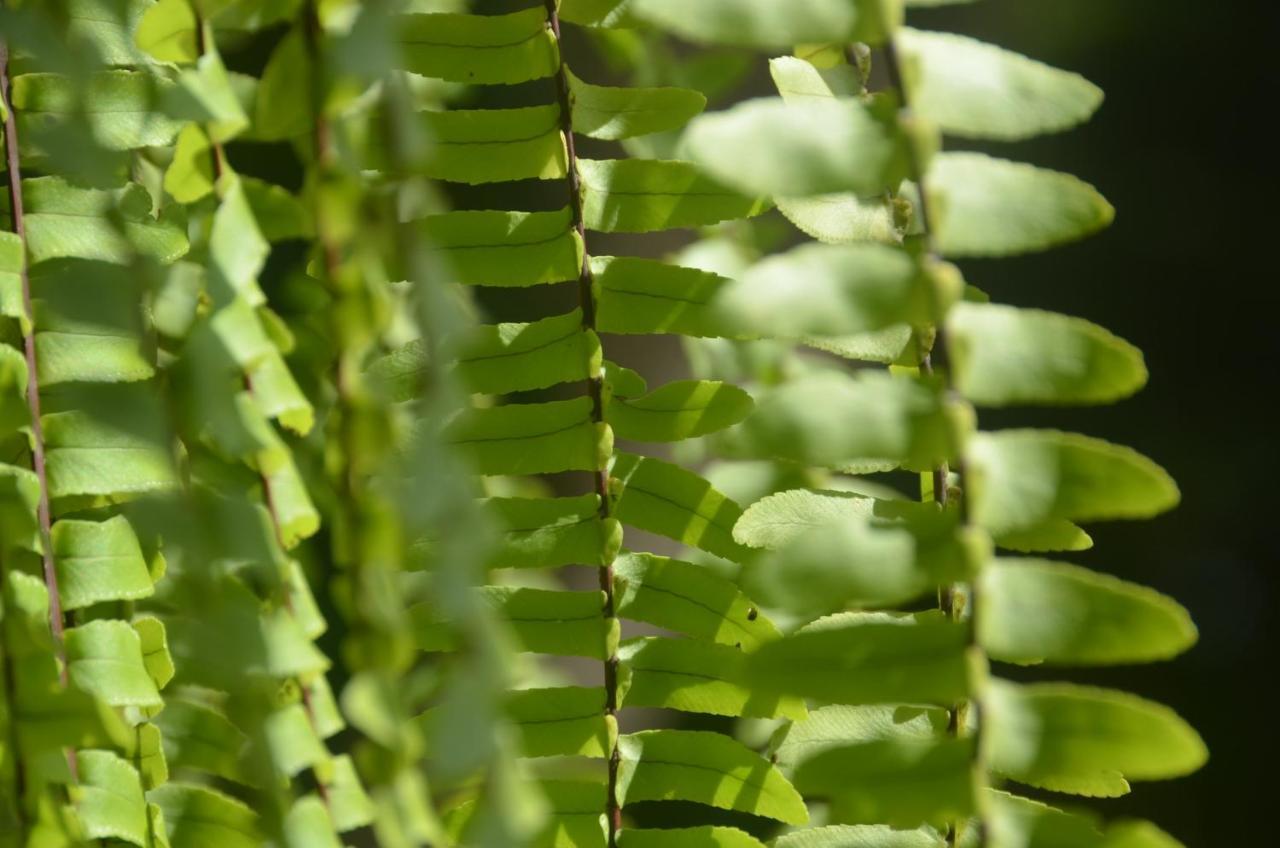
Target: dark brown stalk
<point>33,381</point>
<point>595,388</point>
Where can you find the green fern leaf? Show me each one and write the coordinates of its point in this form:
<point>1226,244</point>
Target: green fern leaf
<point>978,90</point>
<point>478,49</point>
<point>1036,611</point>
<point>867,658</point>
<point>1085,741</point>
<point>616,113</point>
<point>688,599</point>
<point>1023,478</point>
<point>1058,359</point>
<point>706,768</point>
<point>506,248</point>
<point>902,782</point>
<point>679,410</point>
<point>993,207</point>
<point>644,196</point>
<point>760,23</point>
<point>696,677</point>
<point>800,149</point>
<point>673,502</point>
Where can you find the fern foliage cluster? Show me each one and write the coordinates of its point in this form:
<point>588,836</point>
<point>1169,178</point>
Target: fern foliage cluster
<point>297,549</point>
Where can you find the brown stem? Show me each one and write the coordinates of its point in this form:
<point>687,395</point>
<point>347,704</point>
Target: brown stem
<point>948,595</point>
<point>595,388</point>
<point>288,599</point>
<point>29,348</point>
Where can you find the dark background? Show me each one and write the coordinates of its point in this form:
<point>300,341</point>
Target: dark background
<point>1187,273</point>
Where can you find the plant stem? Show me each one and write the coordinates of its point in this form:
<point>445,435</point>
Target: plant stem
<point>595,388</point>
<point>947,595</point>
<point>33,381</point>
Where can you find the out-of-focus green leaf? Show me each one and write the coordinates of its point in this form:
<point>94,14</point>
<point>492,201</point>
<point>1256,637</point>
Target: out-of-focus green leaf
<point>1085,741</point>
<point>1002,355</point>
<point>88,323</point>
<point>844,217</point>
<point>904,782</point>
<point>994,207</point>
<point>167,32</point>
<point>1023,478</point>
<point>827,290</point>
<point>766,24</point>
<point>838,725</point>
<point>833,549</point>
<point>1015,821</point>
<point>198,737</point>
<point>867,658</point>
<point>800,149</point>
<point>832,419</point>
<point>200,816</point>
<point>977,90</point>
<point>110,803</point>
<point>1138,834</point>
<point>64,220</point>
<point>1036,611</point>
